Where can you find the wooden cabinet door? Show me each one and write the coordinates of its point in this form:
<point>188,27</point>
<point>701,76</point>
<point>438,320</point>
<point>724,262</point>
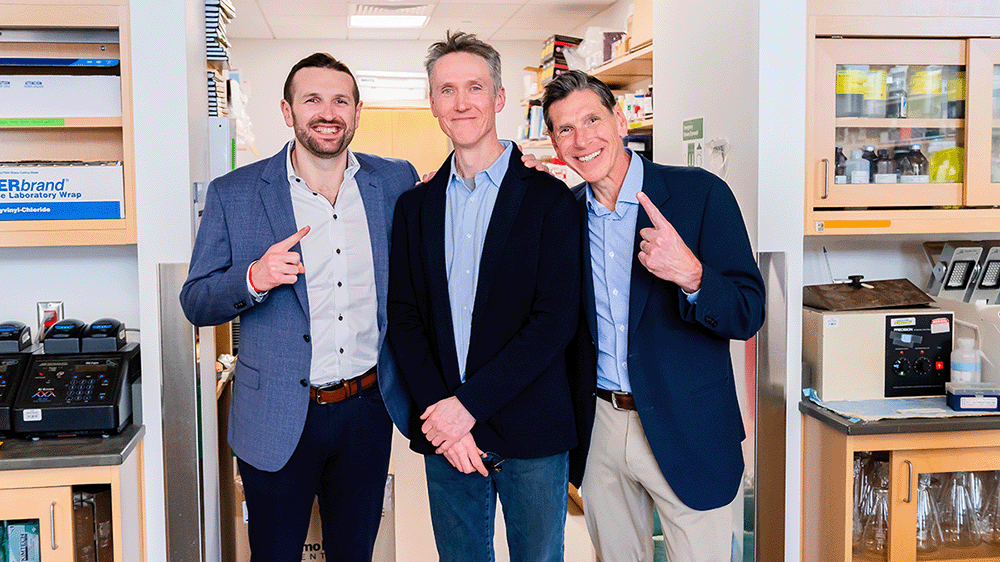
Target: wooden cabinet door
<point>52,508</point>
<point>983,101</point>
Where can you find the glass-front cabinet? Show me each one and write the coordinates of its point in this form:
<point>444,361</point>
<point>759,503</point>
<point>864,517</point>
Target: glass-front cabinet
<point>903,136</point>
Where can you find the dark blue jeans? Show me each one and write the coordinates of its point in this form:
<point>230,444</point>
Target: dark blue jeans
<point>533,495</point>
<point>342,457</point>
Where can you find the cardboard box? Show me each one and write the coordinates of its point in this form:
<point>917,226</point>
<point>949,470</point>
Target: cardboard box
<point>22,541</point>
<point>62,192</point>
<point>60,96</point>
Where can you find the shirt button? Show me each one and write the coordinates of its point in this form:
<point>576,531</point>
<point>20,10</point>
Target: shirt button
<point>611,254</point>
<point>467,272</point>
<point>624,364</point>
<point>614,292</point>
<point>338,250</point>
<point>465,308</point>
<point>339,284</point>
<point>341,350</point>
<point>335,216</point>
<point>314,193</point>
<point>341,317</point>
<point>306,338</point>
<point>303,382</point>
<point>621,327</point>
<point>468,236</point>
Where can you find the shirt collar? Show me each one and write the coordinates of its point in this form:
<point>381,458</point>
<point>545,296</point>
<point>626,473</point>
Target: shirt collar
<point>352,166</point>
<point>496,171</point>
<point>627,194</point>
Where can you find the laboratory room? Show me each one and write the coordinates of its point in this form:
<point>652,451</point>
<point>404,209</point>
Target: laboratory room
<point>797,359</point>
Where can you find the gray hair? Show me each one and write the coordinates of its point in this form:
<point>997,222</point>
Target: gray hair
<point>461,42</point>
<point>574,81</point>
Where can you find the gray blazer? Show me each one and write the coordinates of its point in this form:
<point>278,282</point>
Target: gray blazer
<point>246,211</point>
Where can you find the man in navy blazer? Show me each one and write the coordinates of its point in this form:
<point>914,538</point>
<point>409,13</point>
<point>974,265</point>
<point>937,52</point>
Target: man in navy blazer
<point>668,280</point>
<point>297,246</point>
<point>484,282</point>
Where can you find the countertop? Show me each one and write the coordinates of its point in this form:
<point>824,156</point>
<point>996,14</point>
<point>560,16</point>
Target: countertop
<point>908,425</point>
<point>65,452</point>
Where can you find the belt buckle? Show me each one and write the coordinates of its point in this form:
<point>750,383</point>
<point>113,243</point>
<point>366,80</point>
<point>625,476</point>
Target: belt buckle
<point>615,394</point>
<point>321,389</point>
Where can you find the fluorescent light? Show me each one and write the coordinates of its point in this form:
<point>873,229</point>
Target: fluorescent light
<point>387,20</point>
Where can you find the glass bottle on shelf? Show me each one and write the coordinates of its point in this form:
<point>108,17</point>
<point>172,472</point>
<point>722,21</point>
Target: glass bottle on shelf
<point>858,521</point>
<point>875,537</point>
<point>991,512</point>
<point>885,168</point>
<point>959,520</point>
<point>839,160</point>
<point>851,80</point>
<point>857,169</point>
<point>913,167</point>
<point>898,92</point>
<point>929,537</point>
<point>870,155</point>
<point>925,92</point>
<point>875,93</point>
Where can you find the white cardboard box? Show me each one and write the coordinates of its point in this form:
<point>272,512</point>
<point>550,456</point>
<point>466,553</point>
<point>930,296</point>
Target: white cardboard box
<point>62,192</point>
<point>60,96</point>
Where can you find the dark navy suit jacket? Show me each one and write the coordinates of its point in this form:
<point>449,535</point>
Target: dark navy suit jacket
<point>525,313</point>
<point>246,211</point>
<point>678,354</point>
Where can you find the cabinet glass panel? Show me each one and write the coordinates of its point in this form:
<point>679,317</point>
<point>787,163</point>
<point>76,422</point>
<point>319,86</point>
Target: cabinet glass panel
<point>19,540</point>
<point>899,124</point>
<point>995,153</point>
<point>958,516</point>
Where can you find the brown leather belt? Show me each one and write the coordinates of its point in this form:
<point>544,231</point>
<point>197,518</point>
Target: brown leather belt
<point>344,389</point>
<point>620,400</point>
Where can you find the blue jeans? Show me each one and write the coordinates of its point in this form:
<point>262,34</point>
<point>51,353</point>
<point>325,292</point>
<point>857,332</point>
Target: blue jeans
<point>533,495</point>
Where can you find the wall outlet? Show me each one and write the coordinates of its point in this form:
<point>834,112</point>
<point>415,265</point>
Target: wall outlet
<point>48,314</point>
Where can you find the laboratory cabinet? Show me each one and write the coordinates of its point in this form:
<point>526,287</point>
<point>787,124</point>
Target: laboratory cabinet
<point>902,134</point>
<point>912,447</point>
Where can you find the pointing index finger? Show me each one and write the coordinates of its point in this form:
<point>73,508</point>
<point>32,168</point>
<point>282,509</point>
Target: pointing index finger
<point>654,214</point>
<point>292,240</point>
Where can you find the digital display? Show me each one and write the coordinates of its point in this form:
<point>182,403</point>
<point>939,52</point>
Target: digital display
<point>90,368</point>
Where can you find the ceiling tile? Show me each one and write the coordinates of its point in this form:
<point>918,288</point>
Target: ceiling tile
<point>477,10</point>
<point>506,34</point>
<point>304,8</point>
<point>250,24</point>
<point>383,34</point>
<point>334,24</point>
<point>306,32</point>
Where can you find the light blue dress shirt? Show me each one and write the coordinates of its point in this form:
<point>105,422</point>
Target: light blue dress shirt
<point>612,244</point>
<point>467,217</point>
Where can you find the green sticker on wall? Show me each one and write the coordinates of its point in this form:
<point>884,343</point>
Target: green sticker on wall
<point>31,122</point>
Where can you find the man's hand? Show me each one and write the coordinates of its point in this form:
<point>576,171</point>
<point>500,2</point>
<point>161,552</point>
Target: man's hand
<point>466,457</point>
<point>664,253</point>
<point>446,422</point>
<point>278,266</point>
<point>530,161</point>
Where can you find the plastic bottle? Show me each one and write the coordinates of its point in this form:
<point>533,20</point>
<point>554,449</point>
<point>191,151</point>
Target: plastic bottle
<point>885,168</point>
<point>898,92</point>
<point>965,365</point>
<point>871,157</point>
<point>839,172</point>
<point>914,167</point>
<point>926,98</point>
<point>875,94</point>
<point>851,80</point>
<point>857,169</point>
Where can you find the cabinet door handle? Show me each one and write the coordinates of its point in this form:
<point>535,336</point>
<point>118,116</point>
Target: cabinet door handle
<point>909,481</point>
<point>52,525</point>
<point>826,178</point>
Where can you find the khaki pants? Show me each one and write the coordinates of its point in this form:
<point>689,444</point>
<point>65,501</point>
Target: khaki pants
<point>621,485</point>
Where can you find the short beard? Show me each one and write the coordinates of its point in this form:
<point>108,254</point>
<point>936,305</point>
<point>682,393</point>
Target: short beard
<point>316,149</point>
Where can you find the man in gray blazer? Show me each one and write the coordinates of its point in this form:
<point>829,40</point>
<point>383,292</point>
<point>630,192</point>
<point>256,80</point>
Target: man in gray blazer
<point>297,246</point>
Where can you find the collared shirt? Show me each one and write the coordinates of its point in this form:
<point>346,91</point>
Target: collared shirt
<point>340,277</point>
<point>467,217</point>
<point>612,244</point>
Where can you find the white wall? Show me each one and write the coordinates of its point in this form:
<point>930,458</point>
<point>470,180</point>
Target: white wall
<point>265,64</point>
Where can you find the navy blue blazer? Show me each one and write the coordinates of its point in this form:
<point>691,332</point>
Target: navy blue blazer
<point>678,354</point>
<point>247,211</point>
<point>525,313</point>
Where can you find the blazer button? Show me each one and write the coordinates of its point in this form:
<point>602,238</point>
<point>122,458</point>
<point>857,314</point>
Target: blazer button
<point>711,321</point>
<point>240,304</point>
<point>303,382</point>
<point>306,337</point>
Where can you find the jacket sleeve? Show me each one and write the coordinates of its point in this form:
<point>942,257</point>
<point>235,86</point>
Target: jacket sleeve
<point>550,325</point>
<point>215,291</point>
<point>409,325</point>
<point>731,301</point>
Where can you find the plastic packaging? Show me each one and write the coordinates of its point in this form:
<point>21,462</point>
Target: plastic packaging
<point>926,97</point>
<point>946,162</point>
<point>851,79</point>
<point>875,94</point>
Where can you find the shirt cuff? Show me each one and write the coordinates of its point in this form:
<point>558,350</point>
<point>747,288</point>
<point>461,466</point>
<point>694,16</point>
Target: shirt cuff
<point>692,298</point>
<point>257,297</point>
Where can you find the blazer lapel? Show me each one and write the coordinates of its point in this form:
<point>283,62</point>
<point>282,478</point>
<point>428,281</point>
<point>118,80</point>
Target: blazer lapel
<point>276,197</point>
<point>378,232</point>
<point>432,217</point>
<point>589,300</point>
<point>509,198</point>
<point>654,188</point>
